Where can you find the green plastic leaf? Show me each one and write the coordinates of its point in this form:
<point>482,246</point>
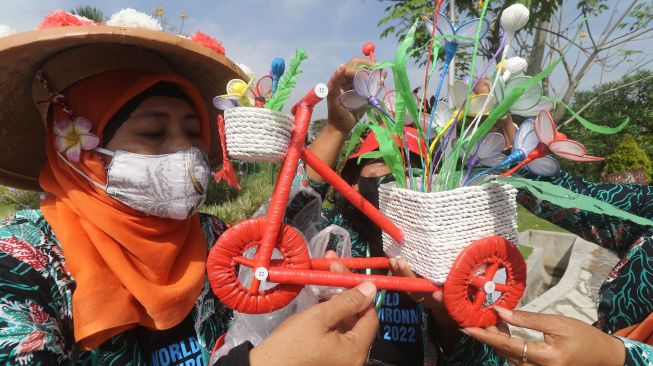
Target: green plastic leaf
<point>355,137</point>
<point>568,199</point>
<point>382,65</point>
<point>287,82</point>
<point>589,125</point>
<point>402,83</point>
<point>372,155</point>
<point>391,154</point>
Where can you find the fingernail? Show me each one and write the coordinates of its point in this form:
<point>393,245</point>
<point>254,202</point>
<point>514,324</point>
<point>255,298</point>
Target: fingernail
<point>368,289</point>
<point>403,264</point>
<point>337,267</point>
<point>503,311</point>
<point>393,262</point>
<point>464,331</point>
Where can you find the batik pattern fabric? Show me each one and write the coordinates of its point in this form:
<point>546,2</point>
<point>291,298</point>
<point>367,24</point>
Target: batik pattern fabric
<point>626,296</point>
<point>467,352</point>
<point>36,289</point>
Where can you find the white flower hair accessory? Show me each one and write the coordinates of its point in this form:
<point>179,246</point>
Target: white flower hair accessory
<point>6,30</point>
<point>130,18</point>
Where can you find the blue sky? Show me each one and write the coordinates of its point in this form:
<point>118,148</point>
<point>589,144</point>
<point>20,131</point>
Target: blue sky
<point>255,31</point>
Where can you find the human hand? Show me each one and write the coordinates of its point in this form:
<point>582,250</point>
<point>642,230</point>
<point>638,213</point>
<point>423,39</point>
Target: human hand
<point>567,341</point>
<point>341,81</point>
<point>336,332</point>
<point>483,86</point>
<point>430,300</point>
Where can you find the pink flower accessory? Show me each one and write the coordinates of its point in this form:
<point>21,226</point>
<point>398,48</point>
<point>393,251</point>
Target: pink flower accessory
<point>208,41</point>
<point>71,137</point>
<point>61,18</point>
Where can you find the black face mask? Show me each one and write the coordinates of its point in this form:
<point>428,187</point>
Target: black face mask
<point>368,187</point>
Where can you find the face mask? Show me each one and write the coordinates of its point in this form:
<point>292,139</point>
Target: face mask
<point>170,185</point>
<point>368,187</point>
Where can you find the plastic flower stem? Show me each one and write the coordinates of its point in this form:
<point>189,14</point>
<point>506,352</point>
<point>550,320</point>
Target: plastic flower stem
<point>426,82</point>
<point>452,160</point>
<point>513,158</point>
<point>471,164</point>
<point>474,125</point>
<point>449,53</point>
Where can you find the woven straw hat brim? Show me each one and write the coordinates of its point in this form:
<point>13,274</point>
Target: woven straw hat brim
<point>22,130</point>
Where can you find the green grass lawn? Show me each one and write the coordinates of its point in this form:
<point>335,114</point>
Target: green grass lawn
<point>528,221</point>
<point>6,210</point>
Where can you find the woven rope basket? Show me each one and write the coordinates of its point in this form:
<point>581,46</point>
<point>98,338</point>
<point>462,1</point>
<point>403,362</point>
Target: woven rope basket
<point>257,134</point>
<point>438,225</point>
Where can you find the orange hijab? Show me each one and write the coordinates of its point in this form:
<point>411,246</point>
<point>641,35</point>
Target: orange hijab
<point>642,332</point>
<point>130,269</point>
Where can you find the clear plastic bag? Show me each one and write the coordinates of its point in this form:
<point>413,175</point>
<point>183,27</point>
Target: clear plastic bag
<point>256,327</point>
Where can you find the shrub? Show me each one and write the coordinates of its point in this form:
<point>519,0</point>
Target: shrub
<point>629,156</point>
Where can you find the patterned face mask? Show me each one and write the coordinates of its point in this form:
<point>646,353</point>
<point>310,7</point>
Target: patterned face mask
<point>170,185</point>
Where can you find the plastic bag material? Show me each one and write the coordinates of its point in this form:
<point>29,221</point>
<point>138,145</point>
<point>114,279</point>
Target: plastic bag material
<point>256,327</point>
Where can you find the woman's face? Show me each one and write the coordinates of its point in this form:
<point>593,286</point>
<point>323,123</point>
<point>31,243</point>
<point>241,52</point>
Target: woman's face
<point>160,125</point>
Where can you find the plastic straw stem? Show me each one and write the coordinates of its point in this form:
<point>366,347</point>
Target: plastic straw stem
<point>353,196</point>
<point>295,276</point>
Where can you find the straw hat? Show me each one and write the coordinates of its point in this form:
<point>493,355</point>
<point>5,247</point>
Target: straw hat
<point>75,53</point>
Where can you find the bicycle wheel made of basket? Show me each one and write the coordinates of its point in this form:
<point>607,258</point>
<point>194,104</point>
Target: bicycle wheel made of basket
<point>491,271</point>
<point>257,134</point>
<point>223,270</point>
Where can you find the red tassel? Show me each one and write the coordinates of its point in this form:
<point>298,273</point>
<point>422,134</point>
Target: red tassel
<point>227,172</point>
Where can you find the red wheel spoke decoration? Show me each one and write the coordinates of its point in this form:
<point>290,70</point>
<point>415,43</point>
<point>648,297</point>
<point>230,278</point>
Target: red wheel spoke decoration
<point>221,266</point>
<point>490,271</point>
<point>479,299</point>
<point>465,292</point>
<point>501,288</point>
<point>478,282</point>
<point>244,261</point>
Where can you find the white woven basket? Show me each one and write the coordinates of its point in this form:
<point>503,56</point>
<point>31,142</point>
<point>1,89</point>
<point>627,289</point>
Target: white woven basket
<point>257,134</point>
<point>438,225</point>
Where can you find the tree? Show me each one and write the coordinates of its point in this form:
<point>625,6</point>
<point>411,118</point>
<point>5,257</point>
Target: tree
<point>604,47</point>
<point>607,105</point>
<point>400,15</point>
<point>89,12</point>
<point>629,156</point>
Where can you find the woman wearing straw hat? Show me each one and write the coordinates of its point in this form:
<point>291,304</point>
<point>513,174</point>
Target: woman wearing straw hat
<point>114,124</point>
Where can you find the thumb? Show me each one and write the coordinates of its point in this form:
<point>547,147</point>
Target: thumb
<point>545,323</point>
<point>347,304</point>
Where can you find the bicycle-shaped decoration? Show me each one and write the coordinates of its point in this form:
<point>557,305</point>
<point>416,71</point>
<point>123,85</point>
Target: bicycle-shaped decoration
<point>455,227</point>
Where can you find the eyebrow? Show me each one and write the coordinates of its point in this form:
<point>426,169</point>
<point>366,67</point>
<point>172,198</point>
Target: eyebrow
<point>160,114</point>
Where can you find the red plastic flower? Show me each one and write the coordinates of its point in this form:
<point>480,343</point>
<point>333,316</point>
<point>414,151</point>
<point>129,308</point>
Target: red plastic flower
<point>74,136</point>
<point>60,18</point>
<point>207,41</point>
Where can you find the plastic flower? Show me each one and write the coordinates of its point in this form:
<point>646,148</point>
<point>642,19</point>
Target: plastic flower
<point>512,67</point>
<point>557,142</point>
<point>130,18</point>
<point>390,101</point>
<point>71,137</point>
<point>60,18</point>
<point>368,90</point>
<point>529,103</point>
<point>476,101</point>
<point>514,17</point>
<point>207,41</point>
<point>465,29</point>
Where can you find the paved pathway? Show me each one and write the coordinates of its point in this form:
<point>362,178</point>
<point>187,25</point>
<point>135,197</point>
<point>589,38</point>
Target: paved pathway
<point>576,299</point>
